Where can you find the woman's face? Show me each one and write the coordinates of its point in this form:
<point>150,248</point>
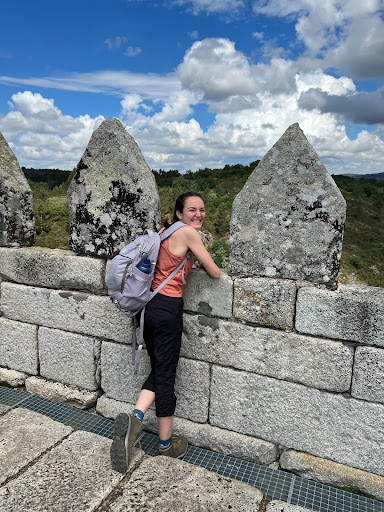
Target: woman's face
<point>193,213</point>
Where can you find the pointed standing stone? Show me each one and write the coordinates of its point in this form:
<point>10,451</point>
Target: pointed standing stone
<point>288,220</point>
<point>17,225</point>
<point>113,195</point>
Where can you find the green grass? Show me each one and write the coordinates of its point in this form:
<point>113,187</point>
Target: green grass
<point>51,216</point>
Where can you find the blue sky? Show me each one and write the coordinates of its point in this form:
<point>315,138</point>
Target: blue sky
<point>197,83</point>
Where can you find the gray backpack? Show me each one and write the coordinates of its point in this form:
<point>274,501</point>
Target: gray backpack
<point>130,288</point>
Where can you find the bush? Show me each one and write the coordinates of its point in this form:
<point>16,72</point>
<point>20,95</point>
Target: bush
<point>219,250</point>
<point>355,261</point>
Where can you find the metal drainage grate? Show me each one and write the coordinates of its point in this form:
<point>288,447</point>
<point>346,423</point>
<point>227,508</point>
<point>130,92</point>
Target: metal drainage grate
<point>274,484</point>
<point>76,418</point>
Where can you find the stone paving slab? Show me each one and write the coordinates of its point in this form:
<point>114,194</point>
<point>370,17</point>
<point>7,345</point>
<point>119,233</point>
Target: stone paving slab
<point>162,484</point>
<point>4,409</point>
<point>74,476</point>
<point>281,506</point>
<point>24,436</point>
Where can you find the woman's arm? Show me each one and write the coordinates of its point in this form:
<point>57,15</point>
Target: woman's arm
<point>195,244</point>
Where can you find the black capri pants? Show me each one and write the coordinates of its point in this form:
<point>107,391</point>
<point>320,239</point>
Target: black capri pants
<point>162,334</point>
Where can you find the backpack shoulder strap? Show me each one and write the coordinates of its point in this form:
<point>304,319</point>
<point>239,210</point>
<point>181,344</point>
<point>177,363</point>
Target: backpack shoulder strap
<point>168,232</point>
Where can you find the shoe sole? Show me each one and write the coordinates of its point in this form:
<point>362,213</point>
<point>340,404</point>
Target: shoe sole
<point>128,441</point>
<point>118,448</point>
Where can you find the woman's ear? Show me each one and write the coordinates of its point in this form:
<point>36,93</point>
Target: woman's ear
<point>179,215</point>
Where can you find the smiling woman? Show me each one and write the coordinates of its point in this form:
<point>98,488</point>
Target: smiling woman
<point>162,333</point>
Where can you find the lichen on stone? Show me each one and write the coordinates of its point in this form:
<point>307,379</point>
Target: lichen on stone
<point>17,225</point>
<point>288,220</point>
<point>113,196</point>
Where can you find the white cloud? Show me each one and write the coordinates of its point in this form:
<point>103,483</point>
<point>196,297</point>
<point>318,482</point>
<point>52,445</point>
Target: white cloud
<point>235,104</point>
<point>326,83</point>
<point>34,112</point>
<point>212,6</point>
<point>248,123</point>
<point>28,103</point>
<point>276,77</point>
<point>118,83</point>
<point>361,108</point>
<point>132,51</point>
<point>361,53</point>
<point>116,42</point>
<point>244,134</point>
<point>178,107</point>
<point>42,136</point>
<point>170,141</point>
<point>218,71</point>
<point>215,68</point>
<point>131,102</point>
<point>349,34</point>
<point>194,34</point>
<point>258,35</point>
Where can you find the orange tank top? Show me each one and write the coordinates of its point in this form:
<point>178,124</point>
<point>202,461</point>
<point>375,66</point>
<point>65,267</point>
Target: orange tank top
<point>166,263</point>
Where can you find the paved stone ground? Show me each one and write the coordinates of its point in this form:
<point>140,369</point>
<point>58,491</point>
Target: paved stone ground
<point>46,466</point>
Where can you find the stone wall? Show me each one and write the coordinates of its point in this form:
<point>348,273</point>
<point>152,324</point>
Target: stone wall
<point>268,366</point>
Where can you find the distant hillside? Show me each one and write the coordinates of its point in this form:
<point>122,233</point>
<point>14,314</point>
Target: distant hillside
<point>52,177</point>
<point>362,258</point>
<point>375,176</point>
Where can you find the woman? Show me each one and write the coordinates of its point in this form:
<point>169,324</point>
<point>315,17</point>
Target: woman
<point>162,334</point>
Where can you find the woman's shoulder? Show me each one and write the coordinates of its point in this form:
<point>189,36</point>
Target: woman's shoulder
<point>184,231</point>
